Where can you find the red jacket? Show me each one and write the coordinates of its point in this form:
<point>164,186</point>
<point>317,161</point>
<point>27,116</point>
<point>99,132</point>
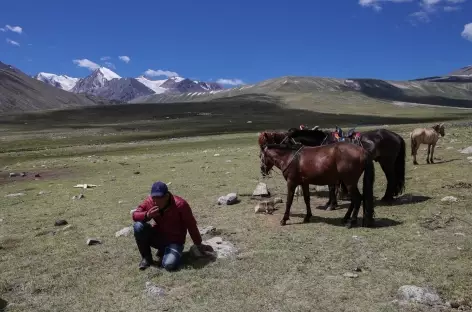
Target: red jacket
<point>172,226</point>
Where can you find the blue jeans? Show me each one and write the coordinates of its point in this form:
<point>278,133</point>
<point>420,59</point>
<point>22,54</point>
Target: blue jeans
<point>146,237</point>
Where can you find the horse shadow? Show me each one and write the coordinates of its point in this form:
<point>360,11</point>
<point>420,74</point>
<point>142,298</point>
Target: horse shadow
<point>438,162</point>
<point>3,304</point>
<point>404,199</point>
<point>338,221</point>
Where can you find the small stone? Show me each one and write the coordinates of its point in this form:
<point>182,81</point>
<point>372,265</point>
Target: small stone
<point>15,195</point>
<point>229,199</point>
<point>93,241</point>
<point>120,202</point>
<point>23,174</point>
<point>419,295</point>
<point>459,234</point>
<point>261,190</point>
<point>278,200</point>
<point>13,174</point>
<point>357,269</point>
<point>449,199</point>
<point>124,232</point>
<point>350,275</point>
<point>266,206</point>
<point>60,222</point>
<point>41,192</point>
<point>453,304</point>
<point>216,155</point>
<point>154,290</point>
<point>136,172</point>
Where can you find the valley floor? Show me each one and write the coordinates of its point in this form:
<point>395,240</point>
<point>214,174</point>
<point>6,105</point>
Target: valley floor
<point>420,240</point>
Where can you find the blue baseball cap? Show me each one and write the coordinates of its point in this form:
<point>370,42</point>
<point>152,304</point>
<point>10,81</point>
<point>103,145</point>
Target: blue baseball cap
<point>159,189</point>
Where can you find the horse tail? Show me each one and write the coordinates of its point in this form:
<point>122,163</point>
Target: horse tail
<point>399,169</point>
<point>368,190</point>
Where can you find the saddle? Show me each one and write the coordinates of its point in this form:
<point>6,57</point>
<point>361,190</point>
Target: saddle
<point>354,136</point>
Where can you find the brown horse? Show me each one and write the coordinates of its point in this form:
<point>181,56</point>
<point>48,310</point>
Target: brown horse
<point>324,165</point>
<point>428,136</point>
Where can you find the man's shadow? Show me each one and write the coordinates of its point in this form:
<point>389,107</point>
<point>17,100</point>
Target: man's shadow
<point>3,305</point>
<point>190,261</point>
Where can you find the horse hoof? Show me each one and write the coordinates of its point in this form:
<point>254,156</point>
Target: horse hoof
<point>329,208</point>
<point>307,219</point>
<point>415,163</point>
<point>283,222</point>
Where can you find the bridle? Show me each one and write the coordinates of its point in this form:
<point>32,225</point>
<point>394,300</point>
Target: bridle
<point>262,157</point>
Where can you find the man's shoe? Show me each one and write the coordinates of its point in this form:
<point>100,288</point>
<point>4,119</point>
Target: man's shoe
<point>145,263</point>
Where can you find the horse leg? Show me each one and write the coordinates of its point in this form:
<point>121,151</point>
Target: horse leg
<point>390,175</point>
<point>348,214</point>
<point>290,192</point>
<point>306,197</point>
<point>333,201</point>
<point>432,153</point>
<point>356,199</point>
<point>414,150</point>
<point>427,156</point>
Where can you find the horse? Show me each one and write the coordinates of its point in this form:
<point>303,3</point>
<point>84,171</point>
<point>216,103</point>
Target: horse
<point>428,136</point>
<point>324,165</point>
<point>386,147</point>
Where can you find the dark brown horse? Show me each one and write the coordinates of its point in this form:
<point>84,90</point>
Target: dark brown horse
<point>386,147</point>
<point>324,165</point>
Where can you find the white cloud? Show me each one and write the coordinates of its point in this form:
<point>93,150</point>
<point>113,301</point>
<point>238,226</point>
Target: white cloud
<point>375,4</point>
<point>87,64</point>
<point>16,29</point>
<point>230,82</point>
<point>105,58</point>
<point>12,42</point>
<point>467,32</point>
<point>160,72</point>
<point>110,65</point>
<point>124,58</point>
<point>451,8</point>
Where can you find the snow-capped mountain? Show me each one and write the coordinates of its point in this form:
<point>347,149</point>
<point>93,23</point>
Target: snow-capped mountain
<point>63,82</point>
<point>107,84</point>
<point>154,85</point>
<point>95,81</point>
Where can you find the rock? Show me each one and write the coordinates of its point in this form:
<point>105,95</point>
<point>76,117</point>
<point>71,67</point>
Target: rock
<point>124,231</point>
<point>80,196</point>
<point>85,186</point>
<point>13,174</point>
<point>136,172</point>
<point>228,160</point>
<point>350,275</point>
<point>154,290</point>
<point>230,199</point>
<point>467,150</point>
<point>449,199</point>
<point>223,249</point>
<point>449,147</point>
<point>208,230</point>
<point>93,241</point>
<point>42,192</point>
<point>261,190</point>
<point>60,222</point>
<point>357,269</point>
<point>469,158</point>
<point>120,202</point>
<point>23,174</point>
<point>266,206</point>
<point>278,200</point>
<point>420,295</point>
<point>216,155</point>
<point>321,188</point>
<point>459,234</point>
<point>15,195</point>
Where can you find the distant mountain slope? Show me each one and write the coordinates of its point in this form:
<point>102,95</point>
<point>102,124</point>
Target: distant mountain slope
<point>312,88</point>
<point>464,71</point>
<point>20,92</point>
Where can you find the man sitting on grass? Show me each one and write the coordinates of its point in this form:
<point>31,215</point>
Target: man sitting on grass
<point>173,217</point>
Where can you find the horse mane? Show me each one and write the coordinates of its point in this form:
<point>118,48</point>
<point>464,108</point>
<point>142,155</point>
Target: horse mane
<point>314,134</point>
<point>284,146</point>
<point>267,137</point>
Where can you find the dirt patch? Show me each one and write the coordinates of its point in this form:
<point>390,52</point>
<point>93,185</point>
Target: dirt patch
<point>31,175</point>
<point>436,222</point>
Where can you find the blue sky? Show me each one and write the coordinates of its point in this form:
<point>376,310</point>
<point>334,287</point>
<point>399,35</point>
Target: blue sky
<point>246,41</point>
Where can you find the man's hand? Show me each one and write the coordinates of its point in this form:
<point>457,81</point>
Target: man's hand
<point>204,248</point>
<point>153,212</point>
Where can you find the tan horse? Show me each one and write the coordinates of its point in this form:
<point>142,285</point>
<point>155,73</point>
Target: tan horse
<point>428,136</point>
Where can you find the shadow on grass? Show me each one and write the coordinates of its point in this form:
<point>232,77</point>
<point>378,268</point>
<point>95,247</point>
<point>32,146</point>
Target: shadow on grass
<point>338,221</point>
<point>404,199</point>
<point>190,262</point>
<point>3,305</point>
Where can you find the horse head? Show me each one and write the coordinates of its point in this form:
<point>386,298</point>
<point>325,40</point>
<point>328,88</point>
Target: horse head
<point>439,128</point>
<point>266,162</point>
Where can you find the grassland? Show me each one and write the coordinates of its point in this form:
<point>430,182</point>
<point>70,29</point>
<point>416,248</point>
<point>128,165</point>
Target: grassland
<point>420,240</point>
